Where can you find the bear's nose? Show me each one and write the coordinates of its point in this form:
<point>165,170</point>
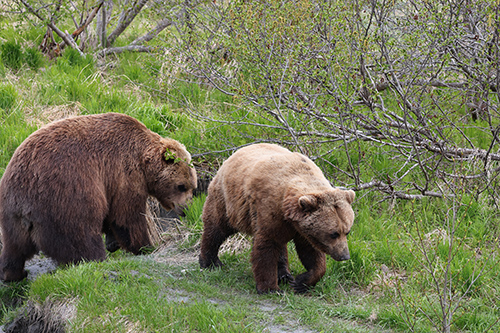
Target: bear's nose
<point>342,256</point>
<point>345,257</point>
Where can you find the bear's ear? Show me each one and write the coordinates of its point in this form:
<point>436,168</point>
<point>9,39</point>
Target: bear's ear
<point>308,203</point>
<point>296,208</point>
<point>349,196</point>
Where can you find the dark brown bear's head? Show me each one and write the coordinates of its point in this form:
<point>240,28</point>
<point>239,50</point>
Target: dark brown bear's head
<point>324,219</point>
<point>169,174</point>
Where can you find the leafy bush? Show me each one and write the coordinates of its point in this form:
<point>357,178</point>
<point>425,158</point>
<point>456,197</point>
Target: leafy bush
<point>33,58</point>
<point>12,55</point>
<point>74,58</point>
<point>71,62</point>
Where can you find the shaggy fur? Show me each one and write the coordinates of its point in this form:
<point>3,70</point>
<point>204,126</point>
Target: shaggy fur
<point>275,195</point>
<point>77,178</point>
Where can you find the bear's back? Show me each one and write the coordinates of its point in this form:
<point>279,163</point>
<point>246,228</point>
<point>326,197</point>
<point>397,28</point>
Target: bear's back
<point>72,156</point>
<point>268,165</point>
<point>96,132</point>
<point>259,176</point>
<point>81,138</point>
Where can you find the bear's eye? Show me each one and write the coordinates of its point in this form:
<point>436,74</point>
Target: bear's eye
<point>181,188</point>
<point>335,235</point>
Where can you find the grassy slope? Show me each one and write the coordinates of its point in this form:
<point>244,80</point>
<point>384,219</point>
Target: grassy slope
<point>153,294</point>
<point>127,293</point>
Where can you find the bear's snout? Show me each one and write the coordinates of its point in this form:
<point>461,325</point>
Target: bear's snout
<point>341,255</point>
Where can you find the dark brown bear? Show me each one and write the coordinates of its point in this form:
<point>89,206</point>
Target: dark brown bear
<point>77,178</point>
<point>277,196</point>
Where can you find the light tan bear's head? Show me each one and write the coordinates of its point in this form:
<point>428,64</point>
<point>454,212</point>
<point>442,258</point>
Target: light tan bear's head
<point>324,219</point>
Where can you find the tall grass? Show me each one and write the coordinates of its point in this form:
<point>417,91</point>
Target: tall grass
<point>12,55</point>
<point>14,130</point>
<point>8,97</point>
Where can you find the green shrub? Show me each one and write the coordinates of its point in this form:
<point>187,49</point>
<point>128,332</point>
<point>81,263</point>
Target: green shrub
<point>74,58</point>
<point>71,62</point>
<point>193,213</point>
<point>33,58</point>
<point>192,220</point>
<point>107,101</point>
<point>8,96</point>
<point>76,90</point>
<point>150,116</point>
<point>12,55</point>
<point>359,269</point>
<point>135,72</point>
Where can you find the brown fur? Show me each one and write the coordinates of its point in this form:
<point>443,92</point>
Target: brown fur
<point>77,178</point>
<point>275,195</point>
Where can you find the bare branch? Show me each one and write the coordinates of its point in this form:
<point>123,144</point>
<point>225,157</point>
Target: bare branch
<point>126,17</point>
<point>65,36</point>
<point>89,19</point>
<point>160,26</point>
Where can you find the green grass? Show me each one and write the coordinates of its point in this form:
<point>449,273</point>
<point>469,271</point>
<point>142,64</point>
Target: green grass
<point>8,97</point>
<point>12,55</point>
<point>12,297</point>
<point>114,295</point>
<point>14,131</point>
<point>136,292</point>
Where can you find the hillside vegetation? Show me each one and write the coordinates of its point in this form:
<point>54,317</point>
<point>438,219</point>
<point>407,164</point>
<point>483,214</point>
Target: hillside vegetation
<point>397,101</point>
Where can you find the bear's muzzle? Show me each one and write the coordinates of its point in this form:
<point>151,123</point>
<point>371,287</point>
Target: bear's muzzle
<point>341,255</point>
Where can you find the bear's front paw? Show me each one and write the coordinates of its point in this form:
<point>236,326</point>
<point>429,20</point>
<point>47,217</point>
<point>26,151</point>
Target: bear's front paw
<point>112,246</point>
<point>210,264</point>
<point>285,278</point>
<point>300,285</point>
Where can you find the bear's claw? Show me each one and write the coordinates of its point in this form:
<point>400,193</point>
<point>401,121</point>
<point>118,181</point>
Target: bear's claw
<point>299,286</point>
<point>285,278</point>
<point>210,264</point>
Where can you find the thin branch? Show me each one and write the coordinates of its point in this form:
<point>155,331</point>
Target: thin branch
<point>89,19</point>
<point>65,36</point>
<point>126,17</point>
<point>160,26</point>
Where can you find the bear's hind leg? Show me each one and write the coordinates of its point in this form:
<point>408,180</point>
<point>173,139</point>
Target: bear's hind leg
<point>314,262</point>
<point>216,230</point>
<point>69,248</point>
<point>17,248</point>
<point>211,241</point>
<point>12,262</point>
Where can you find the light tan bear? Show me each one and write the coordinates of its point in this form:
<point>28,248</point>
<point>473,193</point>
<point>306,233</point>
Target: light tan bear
<point>275,195</point>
